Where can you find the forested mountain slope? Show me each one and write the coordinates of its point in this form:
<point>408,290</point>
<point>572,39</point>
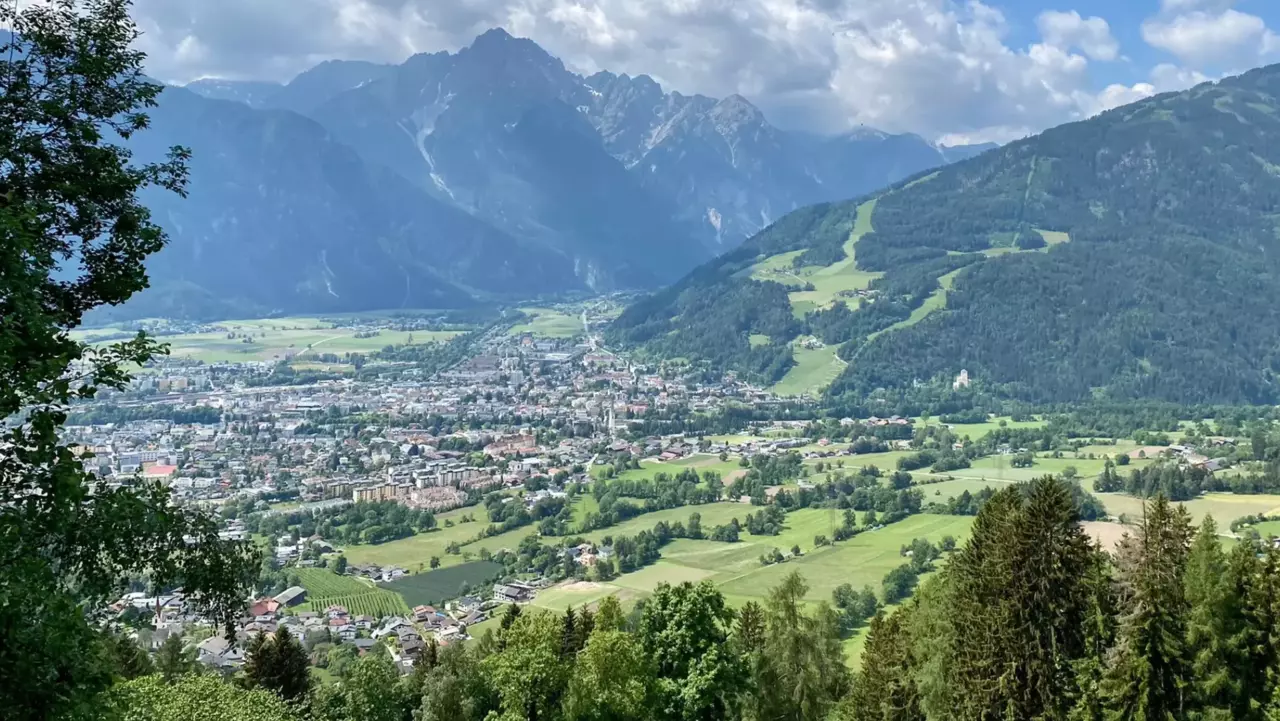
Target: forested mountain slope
<point>1135,254</point>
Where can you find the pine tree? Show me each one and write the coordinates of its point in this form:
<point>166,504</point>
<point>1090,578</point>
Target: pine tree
<point>278,664</point>
<point>174,659</point>
<point>1019,605</point>
<point>883,690</point>
<point>1149,679</point>
<point>1099,635</point>
<point>1213,616</point>
<point>1252,587</point>
<point>127,659</point>
<point>568,635</point>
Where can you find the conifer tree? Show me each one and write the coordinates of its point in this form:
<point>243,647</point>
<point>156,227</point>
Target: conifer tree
<point>1251,585</point>
<point>1149,678</point>
<point>278,664</point>
<point>1020,604</point>
<point>1099,635</point>
<point>883,689</point>
<point>1213,615</point>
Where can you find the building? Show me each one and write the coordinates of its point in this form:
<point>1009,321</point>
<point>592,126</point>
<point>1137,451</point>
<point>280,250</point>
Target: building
<point>292,596</point>
<point>514,592</point>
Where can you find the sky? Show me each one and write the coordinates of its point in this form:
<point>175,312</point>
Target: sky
<point>950,70</point>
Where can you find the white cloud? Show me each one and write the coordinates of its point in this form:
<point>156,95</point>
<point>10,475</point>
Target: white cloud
<point>934,67</point>
<point>1068,30</point>
<point>1201,32</point>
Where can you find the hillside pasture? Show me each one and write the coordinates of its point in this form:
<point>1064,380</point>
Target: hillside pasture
<point>815,369</point>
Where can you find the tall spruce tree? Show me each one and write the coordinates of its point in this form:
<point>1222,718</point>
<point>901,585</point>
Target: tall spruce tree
<point>1150,675</point>
<point>883,689</point>
<point>278,664</point>
<point>1214,616</point>
<point>1253,575</point>
<point>1099,635</point>
<point>1020,605</point>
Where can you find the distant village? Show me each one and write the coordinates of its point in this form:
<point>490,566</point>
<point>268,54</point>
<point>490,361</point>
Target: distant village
<point>519,407</point>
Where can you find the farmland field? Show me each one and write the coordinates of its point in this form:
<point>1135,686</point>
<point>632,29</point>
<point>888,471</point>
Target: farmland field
<point>274,339</point>
<point>437,586</point>
<point>325,588</point>
<point>713,514</point>
<point>1224,507</point>
<point>320,582</point>
<point>548,323</point>
<point>698,462</point>
<point>373,603</point>
<point>862,560</point>
<point>417,550</point>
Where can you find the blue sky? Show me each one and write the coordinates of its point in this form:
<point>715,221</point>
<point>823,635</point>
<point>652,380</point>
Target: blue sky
<point>1126,18</point>
<point>950,70</point>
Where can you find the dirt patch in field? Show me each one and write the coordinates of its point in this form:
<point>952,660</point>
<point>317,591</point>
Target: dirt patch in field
<point>1106,533</point>
<point>581,586</point>
<point>1147,452</point>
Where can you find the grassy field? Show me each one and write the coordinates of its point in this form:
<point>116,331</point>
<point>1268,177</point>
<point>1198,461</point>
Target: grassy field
<point>936,301</point>
<point>713,514</point>
<point>828,281</point>
<point>275,339</point>
<point>415,551</point>
<point>884,461</point>
<point>815,369</point>
<point>978,430</point>
<point>736,569</point>
<point>862,560</point>
<point>1224,507</point>
<point>435,587</point>
<point>698,462</point>
<point>548,323</point>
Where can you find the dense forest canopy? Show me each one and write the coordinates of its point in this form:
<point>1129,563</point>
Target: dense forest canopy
<point>1157,282</point>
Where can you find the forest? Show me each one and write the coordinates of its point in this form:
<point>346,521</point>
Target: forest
<point>1141,257</point>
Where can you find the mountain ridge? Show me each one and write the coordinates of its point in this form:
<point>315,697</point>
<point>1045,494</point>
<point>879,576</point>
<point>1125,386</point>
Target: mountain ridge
<point>1155,224</point>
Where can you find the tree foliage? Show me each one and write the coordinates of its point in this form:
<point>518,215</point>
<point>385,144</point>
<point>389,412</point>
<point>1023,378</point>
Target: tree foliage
<point>73,237</point>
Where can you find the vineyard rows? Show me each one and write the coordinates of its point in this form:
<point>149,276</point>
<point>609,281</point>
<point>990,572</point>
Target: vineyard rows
<point>377,604</point>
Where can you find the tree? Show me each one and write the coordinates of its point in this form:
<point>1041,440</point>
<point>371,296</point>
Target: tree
<point>684,629</point>
<point>1019,603</point>
<point>126,658</point>
<point>1213,616</point>
<point>802,673</point>
<point>529,673</point>
<point>372,692</point>
<point>193,698</point>
<point>456,690</point>
<point>278,664</point>
<point>609,615</point>
<point>174,659</point>
<point>1150,676</point>
<point>883,689</point>
<point>435,562</point>
<point>612,679</point>
<point>73,236</point>
<point>340,565</point>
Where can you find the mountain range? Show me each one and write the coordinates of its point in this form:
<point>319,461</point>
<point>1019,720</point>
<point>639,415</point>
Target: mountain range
<point>493,173</point>
<point>1132,255</point>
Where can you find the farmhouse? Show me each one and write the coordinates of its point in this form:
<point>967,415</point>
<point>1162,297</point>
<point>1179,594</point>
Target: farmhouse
<point>292,596</point>
<point>514,592</point>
